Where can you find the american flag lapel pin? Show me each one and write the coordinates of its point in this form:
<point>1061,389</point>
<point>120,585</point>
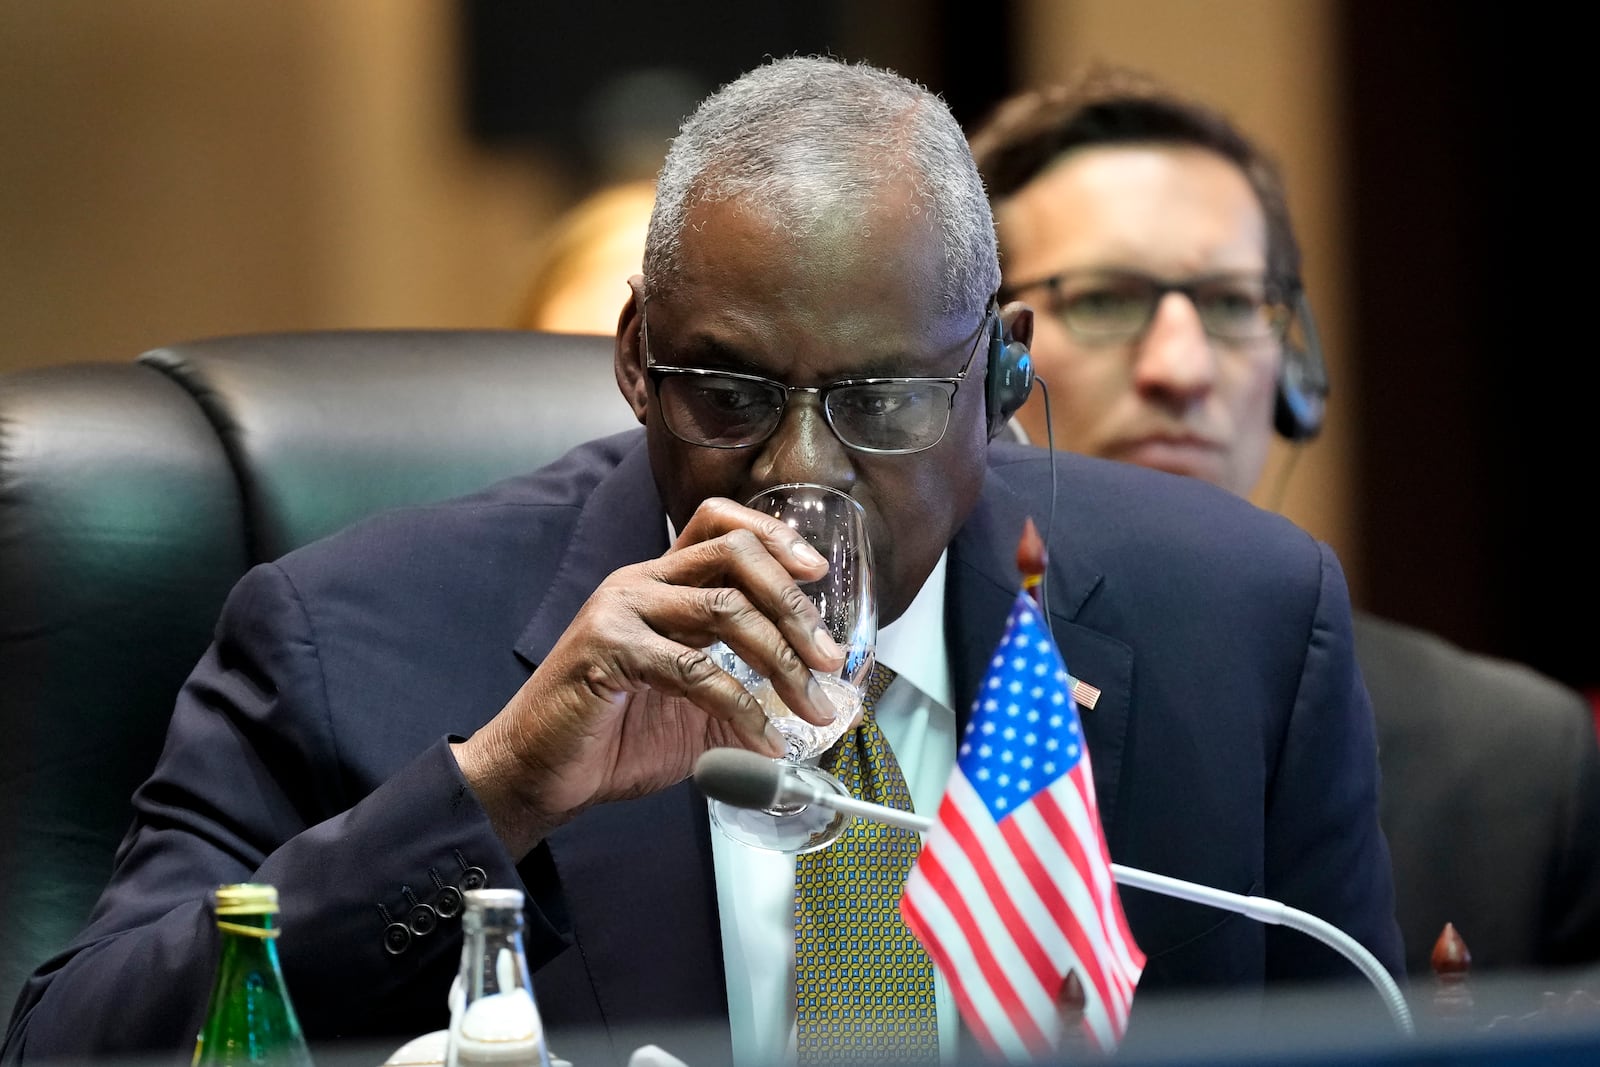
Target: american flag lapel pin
<point>1084,695</point>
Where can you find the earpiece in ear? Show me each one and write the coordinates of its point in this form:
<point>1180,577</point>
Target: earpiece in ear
<point>1008,380</point>
<point>1302,397</point>
<point>1298,411</point>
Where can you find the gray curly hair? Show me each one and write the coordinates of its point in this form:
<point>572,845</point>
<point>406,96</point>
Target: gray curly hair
<point>807,138</point>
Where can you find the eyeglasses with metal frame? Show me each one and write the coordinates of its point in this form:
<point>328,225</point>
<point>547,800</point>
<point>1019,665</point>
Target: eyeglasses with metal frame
<point>1101,306</point>
<point>730,409</point>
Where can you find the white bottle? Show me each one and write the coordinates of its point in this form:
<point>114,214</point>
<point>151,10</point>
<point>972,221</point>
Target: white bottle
<point>493,1018</point>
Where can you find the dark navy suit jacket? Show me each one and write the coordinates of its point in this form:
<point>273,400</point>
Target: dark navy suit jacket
<point>1232,745</point>
<point>1491,802</point>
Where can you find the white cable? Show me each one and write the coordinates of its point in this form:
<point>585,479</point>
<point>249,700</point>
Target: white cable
<point>794,791</point>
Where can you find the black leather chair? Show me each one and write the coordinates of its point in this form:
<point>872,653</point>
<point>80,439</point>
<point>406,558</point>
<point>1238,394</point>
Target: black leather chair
<point>133,495</point>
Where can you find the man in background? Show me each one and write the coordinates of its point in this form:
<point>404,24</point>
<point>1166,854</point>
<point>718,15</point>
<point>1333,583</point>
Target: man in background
<point>1154,239</point>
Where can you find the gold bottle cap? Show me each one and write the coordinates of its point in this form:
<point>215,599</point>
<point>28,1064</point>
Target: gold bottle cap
<point>247,899</point>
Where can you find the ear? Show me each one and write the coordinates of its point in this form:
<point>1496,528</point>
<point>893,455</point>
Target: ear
<point>629,358</point>
<point>1016,322</point>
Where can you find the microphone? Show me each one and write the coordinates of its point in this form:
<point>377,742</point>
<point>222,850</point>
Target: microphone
<point>750,780</point>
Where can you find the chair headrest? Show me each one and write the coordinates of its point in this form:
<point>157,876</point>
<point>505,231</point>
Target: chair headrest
<point>410,415</point>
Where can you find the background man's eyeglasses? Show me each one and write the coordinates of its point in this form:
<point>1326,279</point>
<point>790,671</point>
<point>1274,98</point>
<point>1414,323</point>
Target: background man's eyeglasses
<point>726,409</point>
<point>1108,307</point>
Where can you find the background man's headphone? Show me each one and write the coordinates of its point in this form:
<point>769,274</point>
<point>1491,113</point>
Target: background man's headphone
<point>1302,380</point>
<point>1009,378</point>
<point>1298,411</point>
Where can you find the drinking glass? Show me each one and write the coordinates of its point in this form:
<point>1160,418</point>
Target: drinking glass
<point>835,525</point>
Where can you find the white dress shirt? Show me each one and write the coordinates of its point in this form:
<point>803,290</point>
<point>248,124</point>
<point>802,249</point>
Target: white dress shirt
<point>755,889</point>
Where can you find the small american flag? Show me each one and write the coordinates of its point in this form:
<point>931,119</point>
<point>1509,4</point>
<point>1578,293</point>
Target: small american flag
<point>1013,889</point>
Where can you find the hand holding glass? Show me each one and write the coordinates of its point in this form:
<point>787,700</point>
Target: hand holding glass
<point>833,524</point>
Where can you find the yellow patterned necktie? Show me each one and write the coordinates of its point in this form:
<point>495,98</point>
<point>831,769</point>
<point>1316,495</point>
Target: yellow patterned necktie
<point>863,984</point>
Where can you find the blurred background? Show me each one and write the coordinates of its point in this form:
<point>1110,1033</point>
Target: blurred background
<point>174,169</point>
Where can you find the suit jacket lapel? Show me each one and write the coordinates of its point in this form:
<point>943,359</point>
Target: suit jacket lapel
<point>982,583</point>
<point>622,522</point>
<point>637,880</point>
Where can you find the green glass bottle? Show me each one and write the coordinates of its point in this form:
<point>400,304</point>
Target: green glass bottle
<point>250,1019</point>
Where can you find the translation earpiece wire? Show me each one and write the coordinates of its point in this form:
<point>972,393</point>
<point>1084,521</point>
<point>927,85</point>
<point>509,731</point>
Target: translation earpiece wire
<point>1050,522</point>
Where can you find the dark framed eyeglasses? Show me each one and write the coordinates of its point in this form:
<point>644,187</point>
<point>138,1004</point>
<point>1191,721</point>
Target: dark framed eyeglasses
<point>728,409</point>
<point>1113,306</point>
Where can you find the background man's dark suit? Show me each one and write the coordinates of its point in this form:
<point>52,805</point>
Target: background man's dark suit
<point>1232,745</point>
<point>1499,824</point>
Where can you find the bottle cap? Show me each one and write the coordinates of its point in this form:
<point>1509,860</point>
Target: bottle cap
<point>247,899</point>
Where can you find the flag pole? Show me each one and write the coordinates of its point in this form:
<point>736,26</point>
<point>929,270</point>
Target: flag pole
<point>1032,558</point>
